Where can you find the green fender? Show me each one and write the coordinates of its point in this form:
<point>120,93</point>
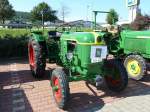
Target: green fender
<point>38,36</point>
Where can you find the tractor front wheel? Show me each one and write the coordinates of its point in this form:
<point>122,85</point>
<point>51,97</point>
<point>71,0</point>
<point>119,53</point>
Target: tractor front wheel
<point>135,66</point>
<point>37,58</point>
<point>60,87</point>
<point>116,79</point>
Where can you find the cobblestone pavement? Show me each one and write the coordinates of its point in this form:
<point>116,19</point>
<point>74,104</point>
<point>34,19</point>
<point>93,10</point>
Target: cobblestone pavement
<point>20,92</point>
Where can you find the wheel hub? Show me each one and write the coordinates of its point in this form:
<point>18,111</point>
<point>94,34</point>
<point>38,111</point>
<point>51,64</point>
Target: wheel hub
<point>31,56</point>
<point>133,68</point>
<point>57,89</point>
<point>113,81</point>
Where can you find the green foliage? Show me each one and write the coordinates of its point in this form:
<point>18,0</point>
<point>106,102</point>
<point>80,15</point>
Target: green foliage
<point>112,17</point>
<point>13,33</point>
<point>49,14</point>
<point>6,10</point>
<point>22,16</point>
<point>13,43</point>
<point>13,47</point>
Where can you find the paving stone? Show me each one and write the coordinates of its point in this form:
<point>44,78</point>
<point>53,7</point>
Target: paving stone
<point>36,96</point>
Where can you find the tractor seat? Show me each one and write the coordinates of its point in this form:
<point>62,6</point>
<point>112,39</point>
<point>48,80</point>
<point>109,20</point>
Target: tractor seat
<point>54,34</point>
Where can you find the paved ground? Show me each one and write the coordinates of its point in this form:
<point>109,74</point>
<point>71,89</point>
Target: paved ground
<point>20,92</point>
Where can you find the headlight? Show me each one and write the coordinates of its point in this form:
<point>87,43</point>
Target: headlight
<point>69,55</point>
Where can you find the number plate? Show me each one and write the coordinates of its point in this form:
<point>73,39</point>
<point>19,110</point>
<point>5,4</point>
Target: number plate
<point>98,53</point>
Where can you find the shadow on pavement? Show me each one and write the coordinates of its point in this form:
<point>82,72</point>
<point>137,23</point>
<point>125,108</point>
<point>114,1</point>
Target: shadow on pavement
<point>11,103</point>
<point>83,102</point>
<point>146,78</point>
<point>12,99</point>
<point>79,101</point>
<point>134,88</point>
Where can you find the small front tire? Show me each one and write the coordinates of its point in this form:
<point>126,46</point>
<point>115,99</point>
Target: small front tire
<point>60,87</point>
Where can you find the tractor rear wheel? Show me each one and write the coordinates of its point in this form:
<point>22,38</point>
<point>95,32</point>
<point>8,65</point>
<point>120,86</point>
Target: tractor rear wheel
<point>37,58</point>
<point>117,79</point>
<point>60,87</point>
<point>135,66</point>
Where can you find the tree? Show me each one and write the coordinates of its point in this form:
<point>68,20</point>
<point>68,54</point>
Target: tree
<point>112,17</point>
<point>22,16</point>
<point>49,14</point>
<point>141,22</point>
<point>6,11</point>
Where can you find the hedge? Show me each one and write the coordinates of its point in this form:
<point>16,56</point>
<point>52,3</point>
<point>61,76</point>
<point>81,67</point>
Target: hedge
<point>13,42</point>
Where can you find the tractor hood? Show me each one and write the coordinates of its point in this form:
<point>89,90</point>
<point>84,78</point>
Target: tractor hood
<point>136,34</point>
<point>84,37</point>
<point>136,42</point>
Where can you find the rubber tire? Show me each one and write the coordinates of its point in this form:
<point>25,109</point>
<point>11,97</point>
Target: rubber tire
<point>142,63</point>
<point>39,57</point>
<point>116,65</point>
<point>64,84</point>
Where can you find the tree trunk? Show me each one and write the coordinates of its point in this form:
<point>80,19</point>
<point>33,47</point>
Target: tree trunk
<point>3,21</point>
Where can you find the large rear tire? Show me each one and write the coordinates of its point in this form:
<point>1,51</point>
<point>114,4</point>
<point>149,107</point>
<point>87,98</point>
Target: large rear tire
<point>135,66</point>
<point>37,57</point>
<point>116,79</point>
<point>60,87</point>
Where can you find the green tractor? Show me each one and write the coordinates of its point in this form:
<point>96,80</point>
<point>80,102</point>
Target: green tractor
<point>131,46</point>
<point>134,48</point>
<point>80,56</point>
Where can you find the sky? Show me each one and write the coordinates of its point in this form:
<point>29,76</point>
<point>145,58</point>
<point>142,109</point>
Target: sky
<point>82,9</point>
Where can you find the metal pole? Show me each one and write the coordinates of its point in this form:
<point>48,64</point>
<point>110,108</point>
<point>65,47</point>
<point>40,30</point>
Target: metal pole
<point>95,14</point>
<point>43,21</point>
<point>113,21</point>
<point>42,13</point>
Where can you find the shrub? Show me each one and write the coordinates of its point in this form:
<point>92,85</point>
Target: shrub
<point>13,43</point>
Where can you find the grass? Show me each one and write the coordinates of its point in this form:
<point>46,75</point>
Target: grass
<point>16,33</point>
<point>13,33</point>
<point>21,32</point>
